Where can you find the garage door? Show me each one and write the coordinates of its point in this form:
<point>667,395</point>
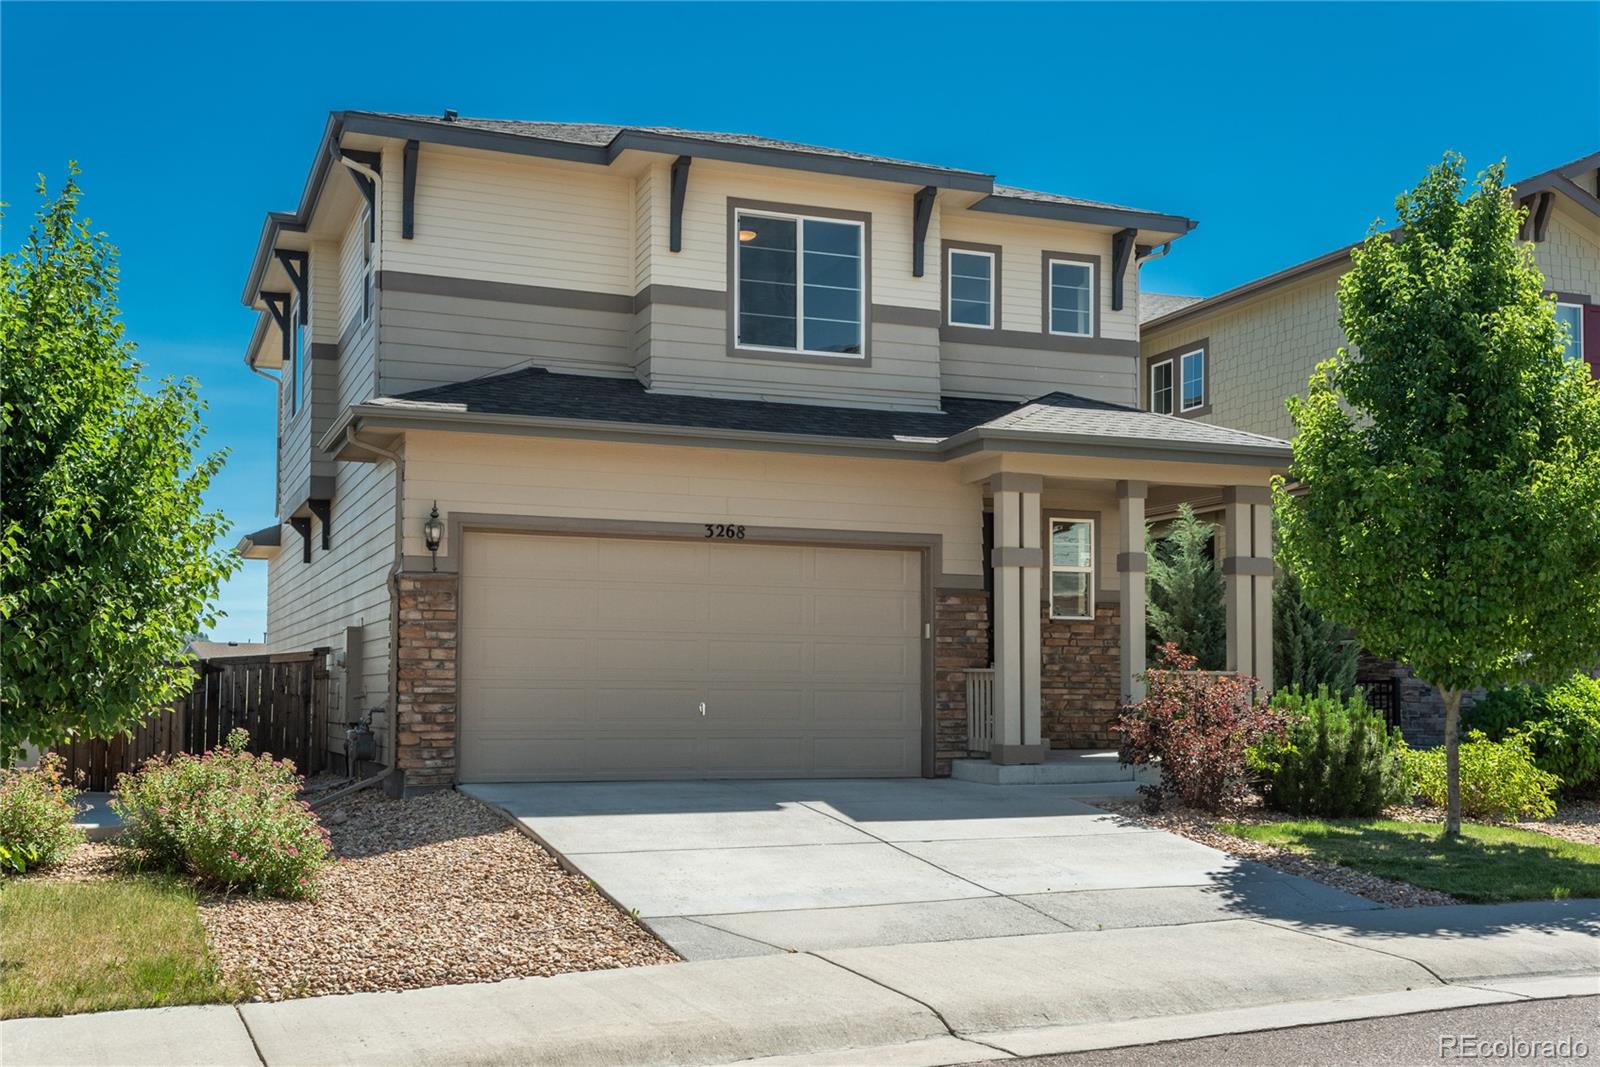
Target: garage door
<point>593,658</point>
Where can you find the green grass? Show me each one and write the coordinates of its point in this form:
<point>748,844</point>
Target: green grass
<point>1486,863</point>
<point>128,942</point>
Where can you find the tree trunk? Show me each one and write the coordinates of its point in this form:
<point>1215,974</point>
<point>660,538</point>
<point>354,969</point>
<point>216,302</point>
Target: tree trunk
<point>1452,761</point>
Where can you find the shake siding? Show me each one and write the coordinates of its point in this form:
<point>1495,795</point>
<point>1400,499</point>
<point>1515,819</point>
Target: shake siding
<point>505,475</point>
<point>1570,255</point>
<point>512,219</point>
<point>311,604</point>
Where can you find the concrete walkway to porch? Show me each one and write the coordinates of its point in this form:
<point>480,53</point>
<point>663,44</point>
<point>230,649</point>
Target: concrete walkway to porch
<point>745,868</point>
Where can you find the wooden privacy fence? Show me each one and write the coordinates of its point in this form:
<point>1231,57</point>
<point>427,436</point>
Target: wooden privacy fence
<point>281,700</point>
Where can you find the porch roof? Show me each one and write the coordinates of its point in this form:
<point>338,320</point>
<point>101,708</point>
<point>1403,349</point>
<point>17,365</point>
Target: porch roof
<point>535,401</point>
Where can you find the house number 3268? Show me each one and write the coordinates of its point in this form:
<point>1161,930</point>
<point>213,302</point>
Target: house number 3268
<point>724,532</point>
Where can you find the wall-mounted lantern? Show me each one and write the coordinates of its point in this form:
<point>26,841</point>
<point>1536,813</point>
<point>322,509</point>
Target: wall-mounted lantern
<point>433,534</point>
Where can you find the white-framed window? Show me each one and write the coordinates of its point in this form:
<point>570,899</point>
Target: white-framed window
<point>1192,380</point>
<point>297,348</point>
<point>1071,568</point>
<point>970,288</point>
<point>1571,316</point>
<point>1161,387</point>
<point>800,284</point>
<point>1071,298</point>
<point>366,265</point>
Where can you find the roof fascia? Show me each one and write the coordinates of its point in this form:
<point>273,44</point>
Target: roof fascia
<point>979,439</point>
<point>1089,214</point>
<point>297,220</point>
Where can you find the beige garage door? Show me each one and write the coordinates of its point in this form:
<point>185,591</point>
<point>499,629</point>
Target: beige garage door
<point>591,658</point>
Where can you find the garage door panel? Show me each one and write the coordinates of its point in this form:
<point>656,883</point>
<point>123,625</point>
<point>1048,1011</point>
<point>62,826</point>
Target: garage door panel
<point>589,658</point>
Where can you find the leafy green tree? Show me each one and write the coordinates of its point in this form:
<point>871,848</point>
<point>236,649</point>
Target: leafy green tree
<point>108,559</point>
<point>1185,606</point>
<point>1309,651</point>
<point>1451,509</point>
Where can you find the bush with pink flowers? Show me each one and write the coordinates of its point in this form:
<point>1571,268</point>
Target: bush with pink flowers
<point>229,819</point>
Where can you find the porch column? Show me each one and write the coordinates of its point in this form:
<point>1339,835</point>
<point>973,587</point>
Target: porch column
<point>1131,575</point>
<point>1017,562</point>
<point>1247,579</point>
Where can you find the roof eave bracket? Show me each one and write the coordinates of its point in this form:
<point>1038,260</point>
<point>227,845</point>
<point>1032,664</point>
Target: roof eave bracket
<point>921,216</point>
<point>1122,246</point>
<point>408,192</point>
<point>302,526</point>
<point>323,510</point>
<point>297,265</point>
<point>680,190</point>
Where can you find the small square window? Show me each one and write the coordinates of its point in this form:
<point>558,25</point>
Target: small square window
<point>970,284</point>
<point>1161,387</point>
<point>1071,298</point>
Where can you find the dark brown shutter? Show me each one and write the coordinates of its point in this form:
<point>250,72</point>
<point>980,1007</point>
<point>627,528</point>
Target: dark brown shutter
<point>1591,337</point>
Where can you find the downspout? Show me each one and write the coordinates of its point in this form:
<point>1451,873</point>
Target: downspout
<point>395,784</point>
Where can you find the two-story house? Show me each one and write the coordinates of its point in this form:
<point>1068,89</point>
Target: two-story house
<point>615,452</point>
<point>1233,359</point>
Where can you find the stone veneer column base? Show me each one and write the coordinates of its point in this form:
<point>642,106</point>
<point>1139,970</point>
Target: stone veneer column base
<point>425,689</point>
<point>1080,670</point>
<point>961,642</point>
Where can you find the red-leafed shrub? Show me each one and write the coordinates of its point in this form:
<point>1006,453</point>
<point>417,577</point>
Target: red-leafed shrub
<point>1197,726</point>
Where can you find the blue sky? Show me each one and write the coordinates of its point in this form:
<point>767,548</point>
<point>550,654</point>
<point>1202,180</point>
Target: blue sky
<point>1284,129</point>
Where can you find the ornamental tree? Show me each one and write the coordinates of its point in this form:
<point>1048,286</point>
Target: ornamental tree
<point>1448,509</point>
<point>109,562</point>
<point>1186,607</point>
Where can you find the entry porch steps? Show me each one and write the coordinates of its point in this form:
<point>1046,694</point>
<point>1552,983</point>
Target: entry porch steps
<point>1092,772</point>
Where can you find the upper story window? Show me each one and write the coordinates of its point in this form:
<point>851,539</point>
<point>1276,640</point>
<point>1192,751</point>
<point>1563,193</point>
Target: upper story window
<point>1571,316</point>
<point>800,283</point>
<point>1161,387</point>
<point>1192,375</point>
<point>970,289</point>
<point>1072,568</point>
<point>297,349</point>
<point>1070,292</point>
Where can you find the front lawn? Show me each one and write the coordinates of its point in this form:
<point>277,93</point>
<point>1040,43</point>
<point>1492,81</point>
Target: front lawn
<point>99,945</point>
<point>1486,863</point>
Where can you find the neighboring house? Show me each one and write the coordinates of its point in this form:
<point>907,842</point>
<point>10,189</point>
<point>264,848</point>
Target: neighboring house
<point>610,452</point>
<point>1234,358</point>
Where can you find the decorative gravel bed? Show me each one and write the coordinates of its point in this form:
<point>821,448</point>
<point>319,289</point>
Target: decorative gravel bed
<point>1574,820</point>
<point>432,890</point>
<point>1199,826</point>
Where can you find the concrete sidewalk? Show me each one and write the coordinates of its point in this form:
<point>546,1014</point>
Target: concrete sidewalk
<point>901,1004</point>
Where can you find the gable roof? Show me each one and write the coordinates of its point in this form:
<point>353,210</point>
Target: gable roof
<point>1555,180</point>
<point>600,144</point>
<point>537,400</point>
<point>1155,305</point>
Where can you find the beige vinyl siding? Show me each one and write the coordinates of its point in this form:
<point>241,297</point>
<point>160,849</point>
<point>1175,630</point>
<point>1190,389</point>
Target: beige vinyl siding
<point>1009,373</point>
<point>492,474</point>
<point>427,339</point>
<point>703,262</point>
<point>294,451</point>
<point>688,354</point>
<point>309,605</point>
<point>357,371</point>
<point>1022,247</point>
<point>515,219</point>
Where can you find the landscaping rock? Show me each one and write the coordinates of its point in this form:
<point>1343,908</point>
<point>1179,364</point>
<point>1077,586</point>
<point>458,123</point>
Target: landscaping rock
<point>427,891</point>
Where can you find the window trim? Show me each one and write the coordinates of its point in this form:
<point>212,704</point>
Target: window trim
<point>368,279</point>
<point>1183,376</point>
<point>1049,259</point>
<point>1171,381</point>
<point>1578,335</point>
<point>297,355</point>
<point>1175,357</point>
<point>1051,567</point>
<point>799,213</point>
<point>946,295</point>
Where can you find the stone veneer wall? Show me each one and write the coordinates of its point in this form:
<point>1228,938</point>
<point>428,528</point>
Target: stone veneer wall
<point>961,630</point>
<point>425,713</point>
<point>1080,679</point>
<point>1421,706</point>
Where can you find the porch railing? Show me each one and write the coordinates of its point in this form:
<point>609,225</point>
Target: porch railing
<point>980,709</point>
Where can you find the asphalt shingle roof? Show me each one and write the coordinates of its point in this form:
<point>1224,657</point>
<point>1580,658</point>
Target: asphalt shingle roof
<point>1155,305</point>
<point>538,393</point>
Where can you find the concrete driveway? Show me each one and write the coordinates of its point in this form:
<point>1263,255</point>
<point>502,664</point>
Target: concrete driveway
<point>724,868</point>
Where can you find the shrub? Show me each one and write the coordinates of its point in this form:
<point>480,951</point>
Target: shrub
<point>1336,759</point>
<point>36,810</point>
<point>1560,725</point>
<point>230,819</point>
<point>1198,726</point>
<point>1499,780</point>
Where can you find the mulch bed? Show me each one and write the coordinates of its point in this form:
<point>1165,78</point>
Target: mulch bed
<point>431,890</point>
